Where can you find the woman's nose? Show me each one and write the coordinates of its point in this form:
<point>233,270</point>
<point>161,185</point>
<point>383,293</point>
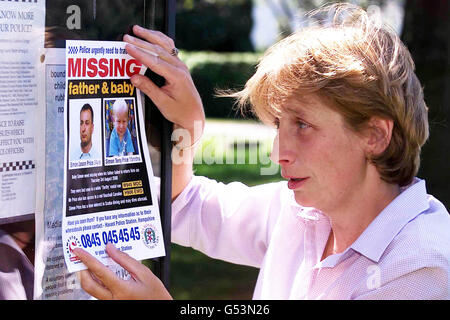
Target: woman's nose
<point>282,153</point>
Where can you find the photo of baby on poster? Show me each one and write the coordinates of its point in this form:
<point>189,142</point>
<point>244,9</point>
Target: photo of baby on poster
<point>120,126</point>
<point>109,192</point>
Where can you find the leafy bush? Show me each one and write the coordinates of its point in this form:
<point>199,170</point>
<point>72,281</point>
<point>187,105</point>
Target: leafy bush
<point>211,71</point>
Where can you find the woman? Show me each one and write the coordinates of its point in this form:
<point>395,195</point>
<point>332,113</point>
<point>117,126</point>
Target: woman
<point>352,221</point>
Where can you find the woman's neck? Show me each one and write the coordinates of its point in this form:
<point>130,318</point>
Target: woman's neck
<point>350,221</point>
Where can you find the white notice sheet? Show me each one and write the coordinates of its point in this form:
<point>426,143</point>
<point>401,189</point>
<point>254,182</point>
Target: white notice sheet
<point>21,41</point>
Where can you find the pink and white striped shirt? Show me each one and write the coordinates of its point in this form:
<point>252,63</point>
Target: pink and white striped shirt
<point>403,254</point>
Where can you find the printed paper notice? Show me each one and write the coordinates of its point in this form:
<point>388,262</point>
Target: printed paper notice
<point>21,39</point>
<point>109,191</point>
<point>51,278</point>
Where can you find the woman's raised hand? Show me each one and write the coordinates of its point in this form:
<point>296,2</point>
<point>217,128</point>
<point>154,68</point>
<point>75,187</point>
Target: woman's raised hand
<point>178,99</point>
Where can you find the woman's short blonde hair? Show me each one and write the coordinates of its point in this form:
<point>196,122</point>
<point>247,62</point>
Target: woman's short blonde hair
<point>358,64</point>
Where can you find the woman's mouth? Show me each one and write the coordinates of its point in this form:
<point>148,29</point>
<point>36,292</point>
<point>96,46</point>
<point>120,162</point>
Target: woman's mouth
<point>295,183</point>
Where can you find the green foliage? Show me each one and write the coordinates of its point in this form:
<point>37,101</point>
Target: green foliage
<point>214,25</point>
<point>196,276</point>
<point>212,71</point>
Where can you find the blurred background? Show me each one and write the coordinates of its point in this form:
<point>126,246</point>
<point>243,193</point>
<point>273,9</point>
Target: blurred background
<point>221,41</point>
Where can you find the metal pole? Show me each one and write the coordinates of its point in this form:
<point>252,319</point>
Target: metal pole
<point>163,267</point>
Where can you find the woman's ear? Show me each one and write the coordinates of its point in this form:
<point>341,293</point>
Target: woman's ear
<point>378,135</point>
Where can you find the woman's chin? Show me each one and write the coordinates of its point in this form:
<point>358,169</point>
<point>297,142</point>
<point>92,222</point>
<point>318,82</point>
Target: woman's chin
<point>303,199</point>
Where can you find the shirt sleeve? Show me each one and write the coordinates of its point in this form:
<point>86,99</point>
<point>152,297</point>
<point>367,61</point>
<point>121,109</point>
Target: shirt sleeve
<point>113,150</point>
<point>129,146</point>
<point>16,273</point>
<point>231,222</point>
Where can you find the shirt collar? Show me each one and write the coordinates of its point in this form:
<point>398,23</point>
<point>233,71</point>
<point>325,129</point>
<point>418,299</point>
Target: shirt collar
<point>372,243</point>
<point>411,202</point>
<point>310,214</point>
<point>85,155</point>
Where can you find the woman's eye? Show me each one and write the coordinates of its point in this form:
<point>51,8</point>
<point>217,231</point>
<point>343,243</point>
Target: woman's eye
<point>302,125</point>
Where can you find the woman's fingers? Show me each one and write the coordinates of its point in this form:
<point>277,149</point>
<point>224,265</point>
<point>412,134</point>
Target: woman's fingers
<point>100,271</point>
<point>93,287</point>
<point>154,62</point>
<point>159,97</point>
<point>154,49</point>
<point>134,267</point>
<point>155,37</point>
<point>141,274</point>
<point>143,284</point>
<point>178,99</point>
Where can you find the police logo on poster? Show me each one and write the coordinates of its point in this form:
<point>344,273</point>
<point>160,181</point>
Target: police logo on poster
<point>72,243</point>
<point>150,236</point>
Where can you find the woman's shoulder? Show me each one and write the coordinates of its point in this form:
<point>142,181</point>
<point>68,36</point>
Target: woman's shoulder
<point>432,228</point>
<point>426,238</point>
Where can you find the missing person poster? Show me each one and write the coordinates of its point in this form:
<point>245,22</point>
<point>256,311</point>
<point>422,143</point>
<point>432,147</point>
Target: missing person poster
<point>21,39</point>
<point>109,194</point>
